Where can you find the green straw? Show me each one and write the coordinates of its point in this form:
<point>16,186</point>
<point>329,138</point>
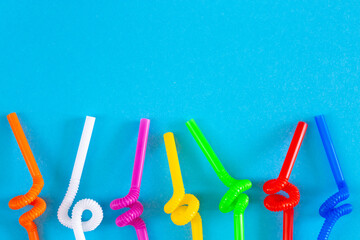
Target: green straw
<point>233,199</point>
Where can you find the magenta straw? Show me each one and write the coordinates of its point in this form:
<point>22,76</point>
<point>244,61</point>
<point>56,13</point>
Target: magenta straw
<point>132,216</point>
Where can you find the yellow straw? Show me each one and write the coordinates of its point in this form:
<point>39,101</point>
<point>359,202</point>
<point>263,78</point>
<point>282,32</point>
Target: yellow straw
<point>182,207</point>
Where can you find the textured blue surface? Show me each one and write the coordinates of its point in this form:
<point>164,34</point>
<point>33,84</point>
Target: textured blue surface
<point>247,71</point>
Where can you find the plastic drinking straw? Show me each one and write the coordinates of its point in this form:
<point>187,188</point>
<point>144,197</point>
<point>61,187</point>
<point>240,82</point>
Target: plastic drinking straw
<point>276,202</point>
<point>132,216</point>
<point>31,197</point>
<point>233,199</point>
<point>328,209</point>
<point>184,208</point>
<point>75,222</point>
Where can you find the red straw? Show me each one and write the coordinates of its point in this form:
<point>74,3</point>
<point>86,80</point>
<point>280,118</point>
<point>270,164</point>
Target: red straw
<point>276,202</point>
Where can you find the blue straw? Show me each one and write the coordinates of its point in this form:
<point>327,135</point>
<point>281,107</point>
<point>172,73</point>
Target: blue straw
<point>328,209</point>
<point>330,150</point>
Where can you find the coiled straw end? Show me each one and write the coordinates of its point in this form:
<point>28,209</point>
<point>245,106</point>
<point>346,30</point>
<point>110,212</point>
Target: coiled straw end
<point>132,216</point>
<point>331,213</point>
<point>185,210</point>
<point>126,201</point>
<point>276,202</point>
<point>234,198</point>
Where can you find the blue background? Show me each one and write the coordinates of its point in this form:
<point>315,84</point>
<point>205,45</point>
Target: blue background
<point>247,71</point>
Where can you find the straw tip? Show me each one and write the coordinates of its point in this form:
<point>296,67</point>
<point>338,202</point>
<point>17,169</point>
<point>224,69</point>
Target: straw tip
<point>191,121</point>
<point>302,124</point>
<point>318,117</point>
<point>145,120</point>
<point>90,118</point>
<point>168,134</point>
<point>13,114</point>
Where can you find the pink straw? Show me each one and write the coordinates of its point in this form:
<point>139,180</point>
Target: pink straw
<point>132,216</point>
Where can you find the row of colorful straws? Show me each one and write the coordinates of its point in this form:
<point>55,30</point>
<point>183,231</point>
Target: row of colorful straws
<point>182,207</point>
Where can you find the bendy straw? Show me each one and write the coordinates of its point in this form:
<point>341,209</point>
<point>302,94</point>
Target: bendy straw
<point>184,208</point>
<point>328,209</point>
<point>31,197</point>
<point>276,202</point>
<point>132,216</point>
<point>75,222</point>
<point>234,199</point>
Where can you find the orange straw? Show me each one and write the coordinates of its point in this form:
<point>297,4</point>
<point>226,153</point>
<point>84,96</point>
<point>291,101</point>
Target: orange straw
<point>31,197</point>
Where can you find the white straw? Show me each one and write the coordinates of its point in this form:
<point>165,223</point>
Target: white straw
<point>75,222</point>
